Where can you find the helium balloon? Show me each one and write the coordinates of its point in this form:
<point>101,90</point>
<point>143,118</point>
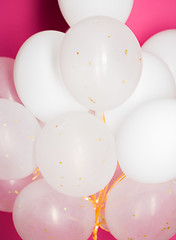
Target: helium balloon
<point>100,61</point>
<point>40,212</point>
<point>156,82</point>
<point>19,129</point>
<point>163,45</point>
<point>141,211</point>
<point>146,143</point>
<point>76,154</point>
<point>77,10</point>
<point>7,89</point>
<point>37,77</point>
<point>10,190</point>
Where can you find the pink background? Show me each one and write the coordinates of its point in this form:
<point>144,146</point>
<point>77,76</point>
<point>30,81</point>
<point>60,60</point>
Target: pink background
<point>20,19</point>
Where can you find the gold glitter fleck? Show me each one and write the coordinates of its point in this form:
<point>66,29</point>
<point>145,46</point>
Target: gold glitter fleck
<point>65,209</point>
<point>6,155</point>
<point>103,161</point>
<point>161,230</point>
<point>109,36</point>
<point>126,51</point>
<point>89,63</point>
<point>62,177</point>
<point>60,162</point>
<point>164,228</point>
<point>51,237</point>
<point>145,235</point>
<point>99,139</point>
<point>15,121</point>
<point>4,202</point>
<point>56,125</point>
<point>80,178</point>
<point>32,137</point>
<point>134,215</point>
<point>167,223</point>
<point>81,206</point>
<point>9,191</point>
<point>91,100</point>
<point>168,228</point>
<point>140,59</point>
<point>45,230</point>
<point>170,192</point>
<point>123,81</point>
<point>77,53</point>
<point>5,124</point>
<point>16,192</point>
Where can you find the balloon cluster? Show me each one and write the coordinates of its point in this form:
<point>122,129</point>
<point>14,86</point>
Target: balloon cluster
<point>90,141</point>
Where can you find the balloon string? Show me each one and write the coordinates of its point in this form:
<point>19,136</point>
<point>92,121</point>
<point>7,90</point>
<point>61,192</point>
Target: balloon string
<point>98,202</point>
<point>36,173</point>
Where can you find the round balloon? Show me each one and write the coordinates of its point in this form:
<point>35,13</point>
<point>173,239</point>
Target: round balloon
<point>141,211</point>
<point>163,45</point>
<point>76,10</point>
<point>40,212</point>
<point>7,89</point>
<point>146,142</point>
<point>76,154</point>
<point>19,129</point>
<point>100,62</point>
<point>156,82</point>
<point>37,77</point>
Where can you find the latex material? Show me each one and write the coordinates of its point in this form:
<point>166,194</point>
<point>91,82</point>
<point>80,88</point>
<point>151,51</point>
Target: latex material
<point>40,212</point>
<point>156,82</point>
<point>146,142</point>
<point>141,211</point>
<point>76,154</point>
<point>37,77</point>
<point>100,62</point>
<point>19,129</point>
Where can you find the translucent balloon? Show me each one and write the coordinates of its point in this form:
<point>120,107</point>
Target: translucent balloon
<point>76,10</point>
<point>146,142</point>
<point>7,89</point>
<point>142,211</point>
<point>18,129</point>
<point>100,62</point>
<point>10,190</point>
<point>156,82</point>
<point>37,77</point>
<point>40,212</point>
<point>76,154</point>
<point>163,45</point>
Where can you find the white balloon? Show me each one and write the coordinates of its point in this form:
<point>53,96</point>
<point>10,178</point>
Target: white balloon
<point>76,154</point>
<point>37,78</point>
<point>100,62</point>
<point>146,143</point>
<point>156,82</point>
<point>163,45</point>
<point>76,10</point>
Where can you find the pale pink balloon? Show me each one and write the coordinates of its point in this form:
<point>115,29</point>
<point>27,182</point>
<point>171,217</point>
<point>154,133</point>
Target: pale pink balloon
<point>142,211</point>
<point>9,190</point>
<point>7,87</point>
<point>40,212</point>
<point>18,132</point>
